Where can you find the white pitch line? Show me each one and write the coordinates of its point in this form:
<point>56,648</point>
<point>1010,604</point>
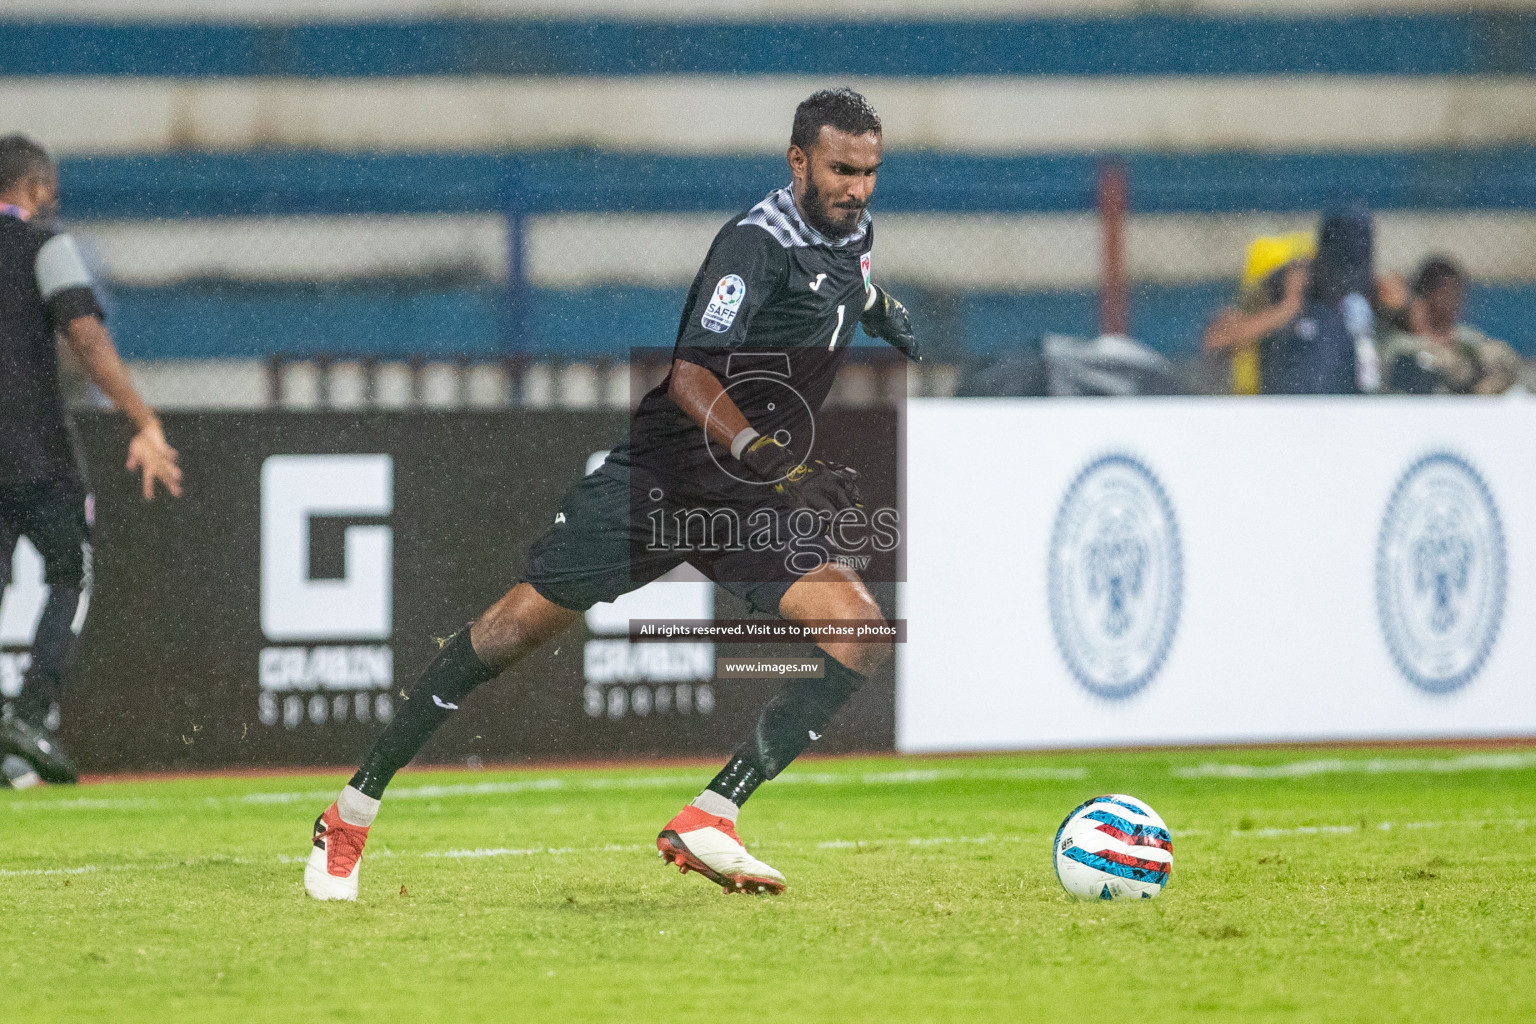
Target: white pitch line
<point>1385,826</point>
<point>482,853</point>
<point>529,851</point>
<point>532,851</point>
<point>1374,766</point>
<point>85,869</point>
<point>906,777</point>
<point>916,776</point>
<point>830,844</point>
<point>281,798</point>
<point>85,803</point>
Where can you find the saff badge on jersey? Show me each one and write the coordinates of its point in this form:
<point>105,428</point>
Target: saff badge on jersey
<point>864,267</point>
<point>724,304</point>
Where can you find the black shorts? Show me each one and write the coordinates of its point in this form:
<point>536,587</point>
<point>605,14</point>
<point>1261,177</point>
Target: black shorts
<point>601,546</point>
<point>55,517</point>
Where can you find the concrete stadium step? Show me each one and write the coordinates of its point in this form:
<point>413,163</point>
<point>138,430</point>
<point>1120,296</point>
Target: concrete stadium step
<point>357,385</point>
<point>981,115</point>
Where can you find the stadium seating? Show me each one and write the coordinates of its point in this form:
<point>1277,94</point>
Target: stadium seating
<point>404,184</point>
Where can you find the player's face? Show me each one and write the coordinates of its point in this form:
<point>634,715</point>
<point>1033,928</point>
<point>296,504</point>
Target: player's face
<point>835,178</point>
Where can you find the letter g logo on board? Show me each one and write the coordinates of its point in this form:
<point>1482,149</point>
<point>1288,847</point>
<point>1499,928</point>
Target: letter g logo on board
<point>296,488</point>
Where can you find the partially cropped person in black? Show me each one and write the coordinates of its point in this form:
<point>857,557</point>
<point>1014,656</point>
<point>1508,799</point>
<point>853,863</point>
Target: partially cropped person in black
<point>45,294</point>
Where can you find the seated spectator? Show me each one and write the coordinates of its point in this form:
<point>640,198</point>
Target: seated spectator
<point>1435,354</point>
<point>1275,277</point>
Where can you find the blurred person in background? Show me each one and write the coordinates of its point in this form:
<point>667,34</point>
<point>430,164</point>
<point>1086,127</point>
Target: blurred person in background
<point>1321,323</point>
<point>1429,351</point>
<point>46,293</point>
<point>1274,285</point>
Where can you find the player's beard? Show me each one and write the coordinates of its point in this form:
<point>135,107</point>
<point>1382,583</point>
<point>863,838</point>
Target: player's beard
<point>832,221</point>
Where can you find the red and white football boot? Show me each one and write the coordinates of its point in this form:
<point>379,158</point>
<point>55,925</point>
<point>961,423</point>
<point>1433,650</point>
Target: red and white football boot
<point>331,873</point>
<point>696,840</point>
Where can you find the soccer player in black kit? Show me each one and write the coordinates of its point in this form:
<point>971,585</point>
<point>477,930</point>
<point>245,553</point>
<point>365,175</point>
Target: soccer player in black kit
<point>782,286</point>
<point>45,292</point>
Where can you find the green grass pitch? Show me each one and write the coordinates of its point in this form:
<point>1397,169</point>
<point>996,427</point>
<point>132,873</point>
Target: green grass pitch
<point>1351,885</point>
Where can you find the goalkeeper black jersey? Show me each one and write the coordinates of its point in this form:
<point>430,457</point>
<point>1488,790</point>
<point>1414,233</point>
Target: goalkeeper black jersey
<point>771,313</point>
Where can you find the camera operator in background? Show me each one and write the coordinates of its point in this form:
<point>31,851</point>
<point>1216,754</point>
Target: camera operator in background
<point>1316,335</point>
<point>1274,286</point>
<point>1428,351</point>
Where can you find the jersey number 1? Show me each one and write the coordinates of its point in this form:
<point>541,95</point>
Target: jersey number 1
<point>838,329</point>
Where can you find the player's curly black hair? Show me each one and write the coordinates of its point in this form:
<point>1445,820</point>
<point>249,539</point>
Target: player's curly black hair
<point>20,158</point>
<point>843,109</point>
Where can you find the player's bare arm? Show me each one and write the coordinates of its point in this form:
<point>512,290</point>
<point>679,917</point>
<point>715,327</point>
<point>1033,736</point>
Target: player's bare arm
<point>699,393</point>
<point>148,452</point>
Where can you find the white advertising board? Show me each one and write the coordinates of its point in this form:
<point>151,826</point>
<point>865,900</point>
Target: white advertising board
<point>1089,572</point>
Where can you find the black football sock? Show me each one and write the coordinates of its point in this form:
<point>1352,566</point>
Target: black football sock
<point>52,645</point>
<point>450,677</point>
<point>790,722</point>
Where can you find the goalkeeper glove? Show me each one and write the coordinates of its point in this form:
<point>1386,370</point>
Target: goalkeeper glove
<point>817,485</point>
<point>889,321</point>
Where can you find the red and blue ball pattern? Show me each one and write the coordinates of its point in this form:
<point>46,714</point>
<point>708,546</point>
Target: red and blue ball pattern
<point>1113,847</point>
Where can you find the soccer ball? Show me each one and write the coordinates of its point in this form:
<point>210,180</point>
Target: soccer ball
<point>1113,848</point>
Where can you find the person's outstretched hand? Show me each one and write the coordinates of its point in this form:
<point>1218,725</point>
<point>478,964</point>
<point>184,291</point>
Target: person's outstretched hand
<point>149,454</point>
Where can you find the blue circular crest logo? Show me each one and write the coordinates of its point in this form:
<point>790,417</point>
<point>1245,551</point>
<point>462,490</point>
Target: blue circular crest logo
<point>1440,573</point>
<point>1115,575</point>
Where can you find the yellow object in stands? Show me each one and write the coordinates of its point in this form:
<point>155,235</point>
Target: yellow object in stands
<point>1266,254</point>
